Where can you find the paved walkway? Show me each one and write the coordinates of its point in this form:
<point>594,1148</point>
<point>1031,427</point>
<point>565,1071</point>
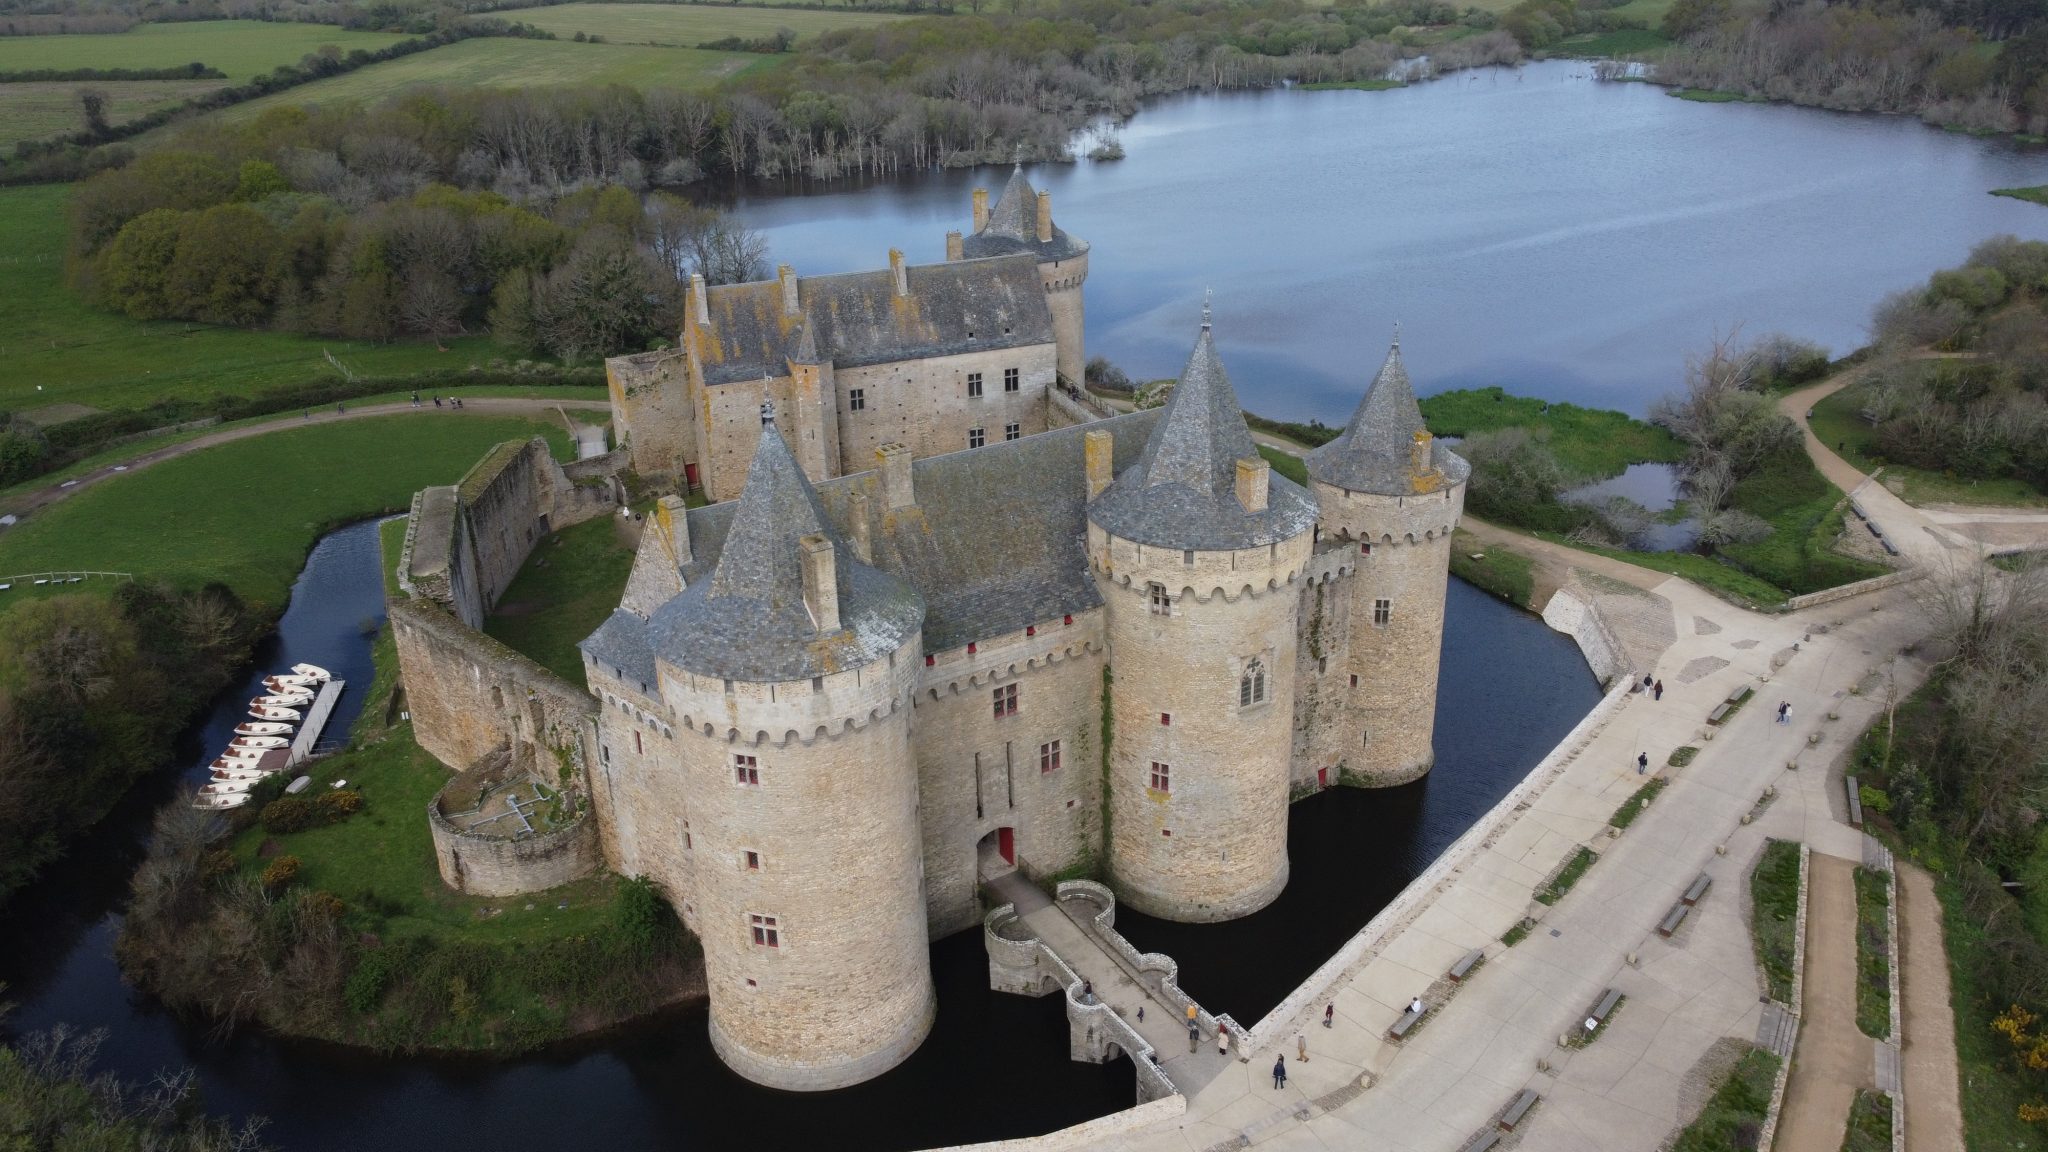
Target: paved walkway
<point>1934,1114</point>
<point>49,494</point>
<point>1834,1057</point>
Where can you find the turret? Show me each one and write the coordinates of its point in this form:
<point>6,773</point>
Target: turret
<point>1022,221</point>
<point>1388,491</point>
<point>789,670</point>
<point>1196,550</point>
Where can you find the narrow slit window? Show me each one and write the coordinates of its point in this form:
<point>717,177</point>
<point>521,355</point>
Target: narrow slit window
<point>753,859</point>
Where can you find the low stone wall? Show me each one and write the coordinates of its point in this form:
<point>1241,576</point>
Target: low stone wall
<point>1859,588</point>
<point>1290,1015</point>
<point>1163,967</point>
<point>1580,619</point>
<point>1062,410</point>
<point>496,866</point>
<point>1099,1132</point>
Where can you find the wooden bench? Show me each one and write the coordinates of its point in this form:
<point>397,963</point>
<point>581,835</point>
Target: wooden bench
<point>1673,919</point>
<point>1855,800</point>
<point>1740,694</point>
<point>1889,546</point>
<point>1858,510</point>
<point>1719,713</point>
<point>1406,1022</point>
<point>1605,1004</point>
<point>1698,889</point>
<point>1518,1109</point>
<point>1874,529</point>
<point>1486,1142</point>
<point>1465,965</point>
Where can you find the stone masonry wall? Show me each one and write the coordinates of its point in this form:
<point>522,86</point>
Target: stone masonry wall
<point>1404,559</point>
<point>924,403</point>
<point>1213,844</point>
<point>978,772</point>
<point>1062,280</point>
<point>1324,687</point>
<point>653,414</point>
<point>469,695</point>
<point>494,866</point>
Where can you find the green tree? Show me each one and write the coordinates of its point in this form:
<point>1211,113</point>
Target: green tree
<point>226,265</point>
<point>135,270</point>
<point>258,180</point>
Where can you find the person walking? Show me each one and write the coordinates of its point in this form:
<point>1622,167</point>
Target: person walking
<point>1141,1013</point>
<point>1301,1047</point>
<point>1279,1072</point>
<point>1330,1015</point>
<point>1194,1036</point>
<point>1087,992</point>
<point>1657,690</point>
<point>1647,681</point>
<point>1642,763</point>
<point>1223,1041</point>
<point>1784,711</point>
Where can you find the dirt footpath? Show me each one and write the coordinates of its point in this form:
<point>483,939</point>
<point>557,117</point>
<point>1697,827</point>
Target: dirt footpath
<point>1833,1059</point>
<point>1934,1116</point>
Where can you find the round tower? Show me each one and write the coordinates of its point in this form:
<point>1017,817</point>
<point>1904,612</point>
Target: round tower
<point>1391,492</point>
<point>1022,221</point>
<point>791,669</point>
<point>1196,549</point>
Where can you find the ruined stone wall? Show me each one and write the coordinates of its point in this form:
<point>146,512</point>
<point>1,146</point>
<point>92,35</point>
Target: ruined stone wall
<point>1213,844</point>
<point>844,992</point>
<point>924,403</point>
<point>979,772</point>
<point>501,506</point>
<point>1062,280</point>
<point>437,560</point>
<point>1404,559</point>
<point>494,866</point>
<point>469,695</point>
<point>654,415</point>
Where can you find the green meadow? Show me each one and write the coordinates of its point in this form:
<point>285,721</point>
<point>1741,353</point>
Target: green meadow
<point>687,24</point>
<point>34,111</point>
<point>240,48</point>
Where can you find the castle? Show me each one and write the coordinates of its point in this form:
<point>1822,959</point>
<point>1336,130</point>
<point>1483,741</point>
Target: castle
<point>936,357</point>
<point>825,710</point>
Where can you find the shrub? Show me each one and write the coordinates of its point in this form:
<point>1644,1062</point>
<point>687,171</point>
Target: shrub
<point>217,863</point>
<point>1975,287</point>
<point>289,814</point>
<point>280,874</point>
<point>337,804</point>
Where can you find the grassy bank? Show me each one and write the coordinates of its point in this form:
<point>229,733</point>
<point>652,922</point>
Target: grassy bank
<point>1774,911</point>
<point>1589,443</point>
<point>241,48</point>
<point>246,513</point>
<point>1836,423</point>
<point>1870,1123</point>
<point>1735,1111</point>
<point>2038,194</point>
<point>1716,576</point>
<point>689,24</point>
<point>361,942</point>
<point>60,350</point>
<point>1805,513</point>
<point>569,585</point>
<point>1501,571</point>
<point>1567,876</point>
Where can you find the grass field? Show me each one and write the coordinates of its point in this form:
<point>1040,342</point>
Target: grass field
<point>570,583</point>
<point>1873,954</point>
<point>1774,908</point>
<point>2037,194</point>
<point>1630,42</point>
<point>507,63</point>
<point>57,348</point>
<point>33,111</point>
<point>1836,423</point>
<point>240,48</point>
<point>1507,574</point>
<point>1589,443</point>
<point>688,24</point>
<point>246,513</point>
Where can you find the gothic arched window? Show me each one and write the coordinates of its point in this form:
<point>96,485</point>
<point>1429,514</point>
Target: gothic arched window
<point>1251,687</point>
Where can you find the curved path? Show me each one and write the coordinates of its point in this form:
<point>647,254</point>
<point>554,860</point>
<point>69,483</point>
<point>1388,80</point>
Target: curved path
<point>49,494</point>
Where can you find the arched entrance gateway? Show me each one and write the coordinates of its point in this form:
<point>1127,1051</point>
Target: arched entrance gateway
<point>996,855</point>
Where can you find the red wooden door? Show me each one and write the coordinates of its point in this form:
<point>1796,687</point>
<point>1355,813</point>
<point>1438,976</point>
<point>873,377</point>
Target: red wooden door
<point>690,475</point>
<point>1006,843</point>
<point>1322,777</point>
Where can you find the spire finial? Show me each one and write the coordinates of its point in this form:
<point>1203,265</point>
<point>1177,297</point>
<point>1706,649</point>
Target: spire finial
<point>1208,294</point>
<point>768,413</point>
<point>1397,335</point>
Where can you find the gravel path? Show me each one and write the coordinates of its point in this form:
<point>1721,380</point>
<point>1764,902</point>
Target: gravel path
<point>1833,1058</point>
<point>1934,1116</point>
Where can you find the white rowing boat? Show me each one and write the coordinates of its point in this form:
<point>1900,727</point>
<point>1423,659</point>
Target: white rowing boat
<point>271,712</point>
<point>218,801</point>
<point>259,742</point>
<point>313,670</point>
<point>263,728</point>
<point>283,700</point>
<point>227,787</point>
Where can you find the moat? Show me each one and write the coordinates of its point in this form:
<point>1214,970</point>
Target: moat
<point>647,1088</point>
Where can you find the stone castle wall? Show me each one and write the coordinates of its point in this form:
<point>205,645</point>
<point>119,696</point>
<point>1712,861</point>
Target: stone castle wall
<point>652,413</point>
<point>469,695</point>
<point>495,866</point>
<point>979,772</point>
<point>924,403</point>
<point>1403,558</point>
<point>1212,845</point>
<point>1062,280</point>
<point>1325,688</point>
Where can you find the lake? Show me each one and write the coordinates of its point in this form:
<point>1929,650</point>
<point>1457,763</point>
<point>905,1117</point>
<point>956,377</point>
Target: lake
<point>1529,227</point>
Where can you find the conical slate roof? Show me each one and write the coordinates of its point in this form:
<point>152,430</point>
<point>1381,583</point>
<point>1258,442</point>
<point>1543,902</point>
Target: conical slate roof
<point>1013,227</point>
<point>1375,452</point>
<point>747,621</point>
<point>1182,492</point>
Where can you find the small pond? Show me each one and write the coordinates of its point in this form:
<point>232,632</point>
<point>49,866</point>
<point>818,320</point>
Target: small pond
<point>1657,488</point>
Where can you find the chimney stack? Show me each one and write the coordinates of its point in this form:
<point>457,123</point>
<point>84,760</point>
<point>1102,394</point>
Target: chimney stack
<point>700,304</point>
<point>955,249</point>
<point>1044,217</point>
<point>897,270</point>
<point>980,209</point>
<point>1098,454</point>
<point>821,581</point>
<point>787,275</point>
<point>896,484</point>
<point>1254,481</point>
<point>857,512</point>
<point>1419,453</point>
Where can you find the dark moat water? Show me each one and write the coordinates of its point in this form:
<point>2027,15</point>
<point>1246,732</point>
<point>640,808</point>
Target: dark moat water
<point>1529,227</point>
<point>995,1065</point>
